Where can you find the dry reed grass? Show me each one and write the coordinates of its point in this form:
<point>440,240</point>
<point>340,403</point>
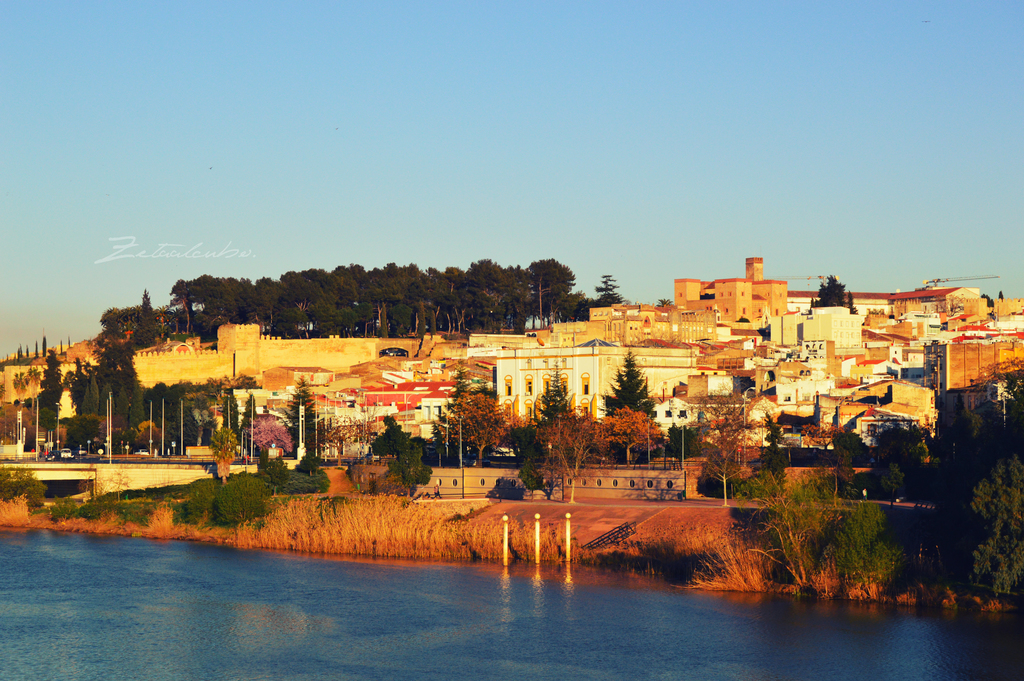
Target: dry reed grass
<point>14,513</point>
<point>388,527</point>
<point>735,564</point>
<point>161,522</point>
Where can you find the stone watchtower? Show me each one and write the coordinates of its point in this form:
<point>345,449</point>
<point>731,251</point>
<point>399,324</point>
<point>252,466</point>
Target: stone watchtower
<point>755,269</point>
<point>242,343</point>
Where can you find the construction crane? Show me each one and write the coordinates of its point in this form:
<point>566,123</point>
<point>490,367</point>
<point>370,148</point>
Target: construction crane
<point>929,283</point>
<point>823,277</point>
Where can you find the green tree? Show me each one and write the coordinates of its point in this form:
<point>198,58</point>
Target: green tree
<point>81,429</point>
<point>241,499</point>
<point>865,550</point>
<point>274,471</point>
<point>225,449</point>
<point>773,459</point>
<point>116,362</point>
<point>554,401</point>
<point>146,329</point>
<point>51,388</point>
<point>831,293</point>
<point>799,521</point>
<point>892,481</point>
<point>406,468</point>
<point>839,459</point>
<point>905,446</point>
<point>302,401</point>
<point>607,292</point>
<point>524,442</point>
<point>137,412</point>
<point>91,403</point>
<point>229,412</point>
<point>676,447</point>
<point>999,500</point>
<point>629,389</point>
<point>17,482</point>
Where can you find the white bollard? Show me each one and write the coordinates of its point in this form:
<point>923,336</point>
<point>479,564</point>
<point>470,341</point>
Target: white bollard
<point>504,560</point>
<point>568,539</point>
<point>536,536</point>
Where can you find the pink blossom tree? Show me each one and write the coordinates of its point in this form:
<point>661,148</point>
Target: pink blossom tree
<point>269,431</point>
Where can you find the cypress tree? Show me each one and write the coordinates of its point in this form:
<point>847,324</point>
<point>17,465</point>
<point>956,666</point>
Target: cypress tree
<point>51,387</point>
<point>136,414</point>
<point>146,331</point>
<point>91,403</point>
<point>122,401</point>
<point>303,396</point>
<point>44,346</point>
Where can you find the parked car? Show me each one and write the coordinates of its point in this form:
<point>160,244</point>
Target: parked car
<point>141,452</point>
<point>66,454</point>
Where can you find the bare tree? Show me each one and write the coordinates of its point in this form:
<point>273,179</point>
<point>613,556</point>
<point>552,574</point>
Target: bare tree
<point>574,440</point>
<point>726,431</point>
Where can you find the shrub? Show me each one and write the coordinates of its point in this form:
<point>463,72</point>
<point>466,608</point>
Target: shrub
<point>198,507</point>
<point>64,509</point>
<point>303,483</point>
<point>276,474</point>
<point>21,482</point>
<point>243,498</point>
<point>161,521</point>
<point>97,509</point>
<point>865,550</point>
<point>872,483</point>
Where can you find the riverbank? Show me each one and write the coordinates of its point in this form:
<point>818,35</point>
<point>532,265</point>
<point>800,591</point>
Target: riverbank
<point>705,547</point>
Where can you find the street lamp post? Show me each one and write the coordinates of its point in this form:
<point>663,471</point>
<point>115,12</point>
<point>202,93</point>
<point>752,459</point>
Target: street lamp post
<point>462,467</point>
<point>151,427</point>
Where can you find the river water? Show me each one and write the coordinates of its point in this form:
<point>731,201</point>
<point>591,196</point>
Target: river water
<point>87,607</point>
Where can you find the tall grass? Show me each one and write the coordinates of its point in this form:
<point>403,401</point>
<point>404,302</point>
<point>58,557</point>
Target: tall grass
<point>161,522</point>
<point>734,564</point>
<point>389,527</point>
<point>14,512</point>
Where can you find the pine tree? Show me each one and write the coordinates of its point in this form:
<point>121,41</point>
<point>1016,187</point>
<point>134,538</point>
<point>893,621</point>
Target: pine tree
<point>831,293</point>
<point>629,389</point>
<point>607,292</point>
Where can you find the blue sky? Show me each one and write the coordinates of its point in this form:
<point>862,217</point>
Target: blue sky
<point>880,142</point>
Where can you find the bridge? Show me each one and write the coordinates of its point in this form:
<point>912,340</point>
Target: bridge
<point>74,477</point>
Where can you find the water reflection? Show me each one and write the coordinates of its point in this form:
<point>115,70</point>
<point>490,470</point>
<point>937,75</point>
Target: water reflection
<point>124,608</point>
